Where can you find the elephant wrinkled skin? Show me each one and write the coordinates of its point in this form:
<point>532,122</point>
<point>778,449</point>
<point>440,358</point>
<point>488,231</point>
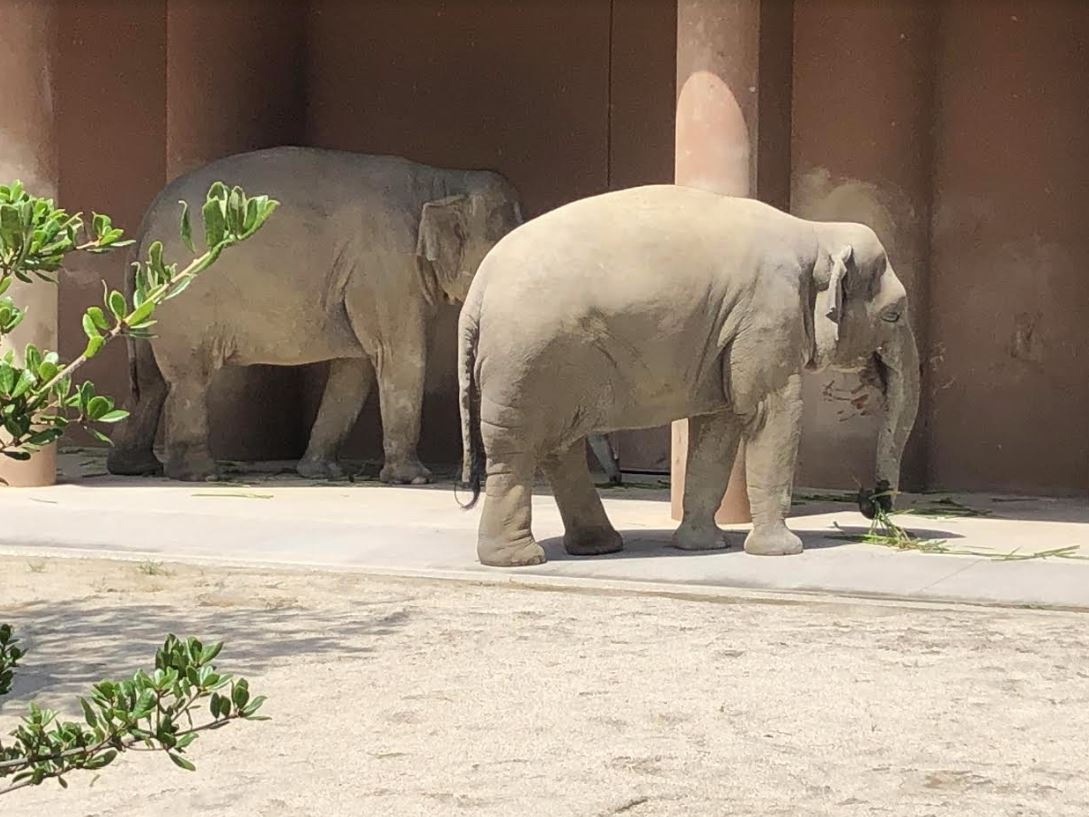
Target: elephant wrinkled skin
<point>349,270</point>
<point>639,307</point>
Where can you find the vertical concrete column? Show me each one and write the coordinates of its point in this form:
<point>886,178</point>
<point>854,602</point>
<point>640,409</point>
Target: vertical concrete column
<point>28,153</point>
<point>730,126</point>
<point>863,112</point>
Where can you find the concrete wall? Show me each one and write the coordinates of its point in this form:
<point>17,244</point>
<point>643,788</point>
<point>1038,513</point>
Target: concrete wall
<point>957,128</point>
<point>566,97</point>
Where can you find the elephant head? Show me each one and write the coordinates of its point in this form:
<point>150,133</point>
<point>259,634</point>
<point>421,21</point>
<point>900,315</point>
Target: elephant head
<point>861,323</point>
<point>457,231</point>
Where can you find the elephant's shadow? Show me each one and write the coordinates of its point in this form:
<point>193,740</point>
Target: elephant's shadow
<point>644,543</point>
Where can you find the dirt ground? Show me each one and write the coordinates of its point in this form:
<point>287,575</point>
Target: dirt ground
<point>407,697</point>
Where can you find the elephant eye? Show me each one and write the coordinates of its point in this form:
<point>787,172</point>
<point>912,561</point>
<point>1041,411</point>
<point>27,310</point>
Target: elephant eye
<point>891,317</point>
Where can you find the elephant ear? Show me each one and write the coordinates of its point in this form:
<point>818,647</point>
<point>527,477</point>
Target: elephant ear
<point>444,229</point>
<point>837,283</point>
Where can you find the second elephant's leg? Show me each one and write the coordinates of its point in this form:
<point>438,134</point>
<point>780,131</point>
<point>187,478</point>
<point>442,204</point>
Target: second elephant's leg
<point>587,530</point>
<point>400,391</point>
<point>712,446</point>
<point>346,389</point>
<point>771,452</point>
<point>187,455</point>
<point>133,451</point>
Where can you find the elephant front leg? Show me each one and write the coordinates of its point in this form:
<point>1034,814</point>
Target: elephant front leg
<point>400,387</point>
<point>712,446</point>
<point>587,530</point>
<point>187,455</point>
<point>346,390</point>
<point>771,452</point>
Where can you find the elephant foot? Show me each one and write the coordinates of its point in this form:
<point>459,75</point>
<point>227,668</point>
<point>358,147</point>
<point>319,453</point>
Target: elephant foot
<point>132,464</point>
<point>592,541</point>
<point>405,473</point>
<point>699,537</point>
<point>522,553</point>
<point>777,540</point>
<point>193,469</point>
<point>320,469</point>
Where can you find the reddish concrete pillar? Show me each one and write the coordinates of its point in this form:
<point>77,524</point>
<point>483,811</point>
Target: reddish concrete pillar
<point>863,79</point>
<point>235,86</point>
<point>28,153</point>
<point>731,137</point>
<point>1010,290</point>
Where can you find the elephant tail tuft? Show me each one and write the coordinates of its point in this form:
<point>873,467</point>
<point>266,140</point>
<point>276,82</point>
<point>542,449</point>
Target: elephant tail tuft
<point>472,443</point>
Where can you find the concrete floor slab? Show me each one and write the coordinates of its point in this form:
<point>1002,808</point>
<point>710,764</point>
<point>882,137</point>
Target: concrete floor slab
<point>1002,552</point>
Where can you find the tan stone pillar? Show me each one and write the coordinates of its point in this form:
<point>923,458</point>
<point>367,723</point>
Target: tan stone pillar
<point>733,120</point>
<point>863,113</point>
<point>27,153</point>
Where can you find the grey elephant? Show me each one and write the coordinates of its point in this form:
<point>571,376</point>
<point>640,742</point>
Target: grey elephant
<point>638,307</point>
<point>349,270</point>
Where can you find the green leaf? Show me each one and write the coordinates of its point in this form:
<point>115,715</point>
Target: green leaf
<point>4,284</point>
<point>98,317</point>
<point>182,762</point>
<point>215,227</point>
<point>116,302</point>
<point>88,713</point>
<point>115,416</point>
<point>98,407</point>
<point>141,313</point>
<point>25,381</point>
<point>186,227</point>
<point>89,328</point>
<point>21,456</point>
<point>94,346</point>
<point>98,435</point>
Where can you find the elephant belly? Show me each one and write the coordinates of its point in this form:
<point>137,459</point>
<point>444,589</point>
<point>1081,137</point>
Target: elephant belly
<point>304,341</point>
<point>675,401</point>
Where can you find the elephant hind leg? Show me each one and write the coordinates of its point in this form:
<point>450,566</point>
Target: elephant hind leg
<point>133,451</point>
<point>505,538</point>
<point>346,389</point>
<point>587,530</point>
<point>712,446</point>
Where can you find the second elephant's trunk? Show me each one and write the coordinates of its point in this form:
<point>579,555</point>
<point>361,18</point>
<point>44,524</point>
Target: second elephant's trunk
<point>899,367</point>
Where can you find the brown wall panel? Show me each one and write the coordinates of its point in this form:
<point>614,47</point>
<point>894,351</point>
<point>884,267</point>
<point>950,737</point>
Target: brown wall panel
<point>863,110</point>
<point>642,102</point>
<point>1009,322</point>
<point>111,132</point>
<point>236,82</point>
<point>517,87</point>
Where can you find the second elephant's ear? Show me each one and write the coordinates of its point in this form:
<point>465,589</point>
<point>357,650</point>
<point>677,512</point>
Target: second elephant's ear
<point>444,228</point>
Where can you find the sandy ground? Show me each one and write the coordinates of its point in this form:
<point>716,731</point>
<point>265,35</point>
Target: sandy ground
<point>402,697</point>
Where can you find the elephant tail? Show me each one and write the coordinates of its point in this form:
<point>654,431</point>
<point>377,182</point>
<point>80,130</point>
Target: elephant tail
<point>472,443</point>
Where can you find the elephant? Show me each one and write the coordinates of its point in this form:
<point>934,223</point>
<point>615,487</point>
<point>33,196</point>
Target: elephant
<point>350,270</point>
<point>638,307</point>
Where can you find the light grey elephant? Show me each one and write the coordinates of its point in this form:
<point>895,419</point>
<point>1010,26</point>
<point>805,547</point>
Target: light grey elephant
<point>642,306</point>
<point>349,270</point>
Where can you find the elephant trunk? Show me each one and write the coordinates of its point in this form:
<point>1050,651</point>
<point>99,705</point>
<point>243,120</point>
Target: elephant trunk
<point>898,363</point>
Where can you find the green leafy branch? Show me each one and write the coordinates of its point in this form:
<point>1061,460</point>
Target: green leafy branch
<point>151,711</point>
<point>38,399</point>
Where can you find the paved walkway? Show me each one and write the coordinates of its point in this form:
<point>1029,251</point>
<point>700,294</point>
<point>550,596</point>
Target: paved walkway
<point>997,553</point>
